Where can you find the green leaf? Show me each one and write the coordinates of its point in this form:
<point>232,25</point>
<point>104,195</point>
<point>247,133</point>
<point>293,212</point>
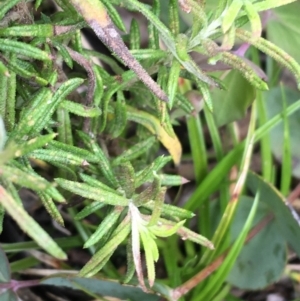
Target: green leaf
<point>24,179</point>
<point>96,16</point>
<point>33,144</point>
<point>89,209</point>
<point>92,193</point>
<point>216,281</point>
<point>8,295</point>
<point>169,41</point>
<point>104,163</point>
<point>29,225</point>
<point>58,156</point>
<point>231,14</point>
<point>111,288</point>
<point>35,30</point>
<point>254,272</point>
<point>274,105</point>
<point>135,151</point>
<point>283,28</point>
<point>125,176</point>
<point>4,268</point>
<point>6,6</point>
<point>95,183</point>
<point>51,208</point>
<point>80,110</point>
<point>108,222</point>
<point>232,104</point>
<point>288,228</point>
<point>24,49</point>
<point>2,134</point>
<point>95,263</point>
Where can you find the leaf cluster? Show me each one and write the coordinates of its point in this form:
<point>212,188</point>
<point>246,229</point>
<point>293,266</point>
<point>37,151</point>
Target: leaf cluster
<point>61,109</point>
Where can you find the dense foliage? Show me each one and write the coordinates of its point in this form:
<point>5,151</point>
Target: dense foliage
<point>96,137</point>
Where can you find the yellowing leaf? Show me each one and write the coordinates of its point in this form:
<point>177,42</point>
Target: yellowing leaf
<point>171,143</point>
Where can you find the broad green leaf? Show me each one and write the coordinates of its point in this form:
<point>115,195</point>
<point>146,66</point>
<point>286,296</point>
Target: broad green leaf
<point>216,280</point>
<point>288,228</point>
<point>110,288</point>
<point>4,268</point>
<point>283,28</point>
<point>8,295</point>
<point>30,226</point>
<point>251,271</point>
<point>232,104</point>
<point>274,105</point>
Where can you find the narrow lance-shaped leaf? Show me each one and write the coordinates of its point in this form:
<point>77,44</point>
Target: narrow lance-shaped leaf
<point>135,151</point>
<point>153,32</point>
<point>231,14</point>
<point>173,82</point>
<point>130,263</point>
<point>20,70</point>
<point>134,35</point>
<point>120,118</point>
<point>80,110</point>
<point>168,39</point>
<point>29,225</point>
<point>24,49</point>
<point>108,222</point>
<point>3,95</point>
<point>174,17</point>
<point>58,156</point>
<point>114,15</point>
<point>97,184</point>
<point>146,175</point>
<point>35,30</point>
<point>136,244</point>
<point>171,211</point>
<point>92,193</point>
<point>24,179</point>
<point>159,200</point>
<point>119,234</point>
<point>89,209</point>
<point>32,144</point>
<point>51,208</point>
<point>2,134</point>
<point>254,18</point>
<point>77,151</point>
<point>153,125</point>
<point>96,16</point>
<point>6,6</point>
<point>11,96</point>
<point>104,163</point>
<point>151,254</point>
<point>125,175</point>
